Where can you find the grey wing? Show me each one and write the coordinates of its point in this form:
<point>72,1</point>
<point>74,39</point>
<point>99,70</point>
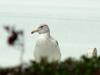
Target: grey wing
<point>59,53</point>
<point>56,42</point>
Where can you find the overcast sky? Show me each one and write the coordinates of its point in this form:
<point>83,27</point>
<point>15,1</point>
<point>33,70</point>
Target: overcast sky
<point>74,23</point>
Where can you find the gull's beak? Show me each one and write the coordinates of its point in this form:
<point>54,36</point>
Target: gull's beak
<point>35,30</point>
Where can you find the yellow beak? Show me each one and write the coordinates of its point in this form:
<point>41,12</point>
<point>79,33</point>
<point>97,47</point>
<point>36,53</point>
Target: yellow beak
<point>35,30</point>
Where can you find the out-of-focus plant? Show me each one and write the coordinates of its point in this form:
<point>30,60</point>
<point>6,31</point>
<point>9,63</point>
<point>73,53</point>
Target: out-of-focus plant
<point>70,66</point>
<point>16,38</point>
<point>14,35</point>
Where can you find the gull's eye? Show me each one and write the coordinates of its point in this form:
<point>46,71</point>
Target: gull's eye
<point>41,26</point>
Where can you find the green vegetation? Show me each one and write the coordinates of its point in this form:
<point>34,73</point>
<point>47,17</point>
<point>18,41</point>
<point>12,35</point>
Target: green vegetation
<point>70,66</point>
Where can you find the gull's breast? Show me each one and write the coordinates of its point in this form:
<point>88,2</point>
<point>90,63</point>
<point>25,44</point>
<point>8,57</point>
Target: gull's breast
<point>46,47</point>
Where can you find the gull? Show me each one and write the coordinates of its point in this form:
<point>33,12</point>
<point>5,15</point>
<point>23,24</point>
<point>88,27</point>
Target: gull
<point>46,46</point>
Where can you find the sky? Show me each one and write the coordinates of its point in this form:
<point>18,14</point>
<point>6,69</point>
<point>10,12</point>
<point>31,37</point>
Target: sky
<point>74,23</point>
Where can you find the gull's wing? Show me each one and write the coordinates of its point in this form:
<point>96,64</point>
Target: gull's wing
<point>56,42</point>
<point>57,45</point>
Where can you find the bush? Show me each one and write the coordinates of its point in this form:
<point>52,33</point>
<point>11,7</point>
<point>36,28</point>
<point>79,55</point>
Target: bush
<point>70,66</point>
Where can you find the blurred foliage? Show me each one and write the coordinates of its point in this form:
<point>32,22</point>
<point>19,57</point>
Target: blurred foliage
<point>13,34</point>
<point>70,66</point>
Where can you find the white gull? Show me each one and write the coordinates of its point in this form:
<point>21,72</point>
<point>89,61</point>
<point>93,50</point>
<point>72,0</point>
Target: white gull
<point>46,46</point>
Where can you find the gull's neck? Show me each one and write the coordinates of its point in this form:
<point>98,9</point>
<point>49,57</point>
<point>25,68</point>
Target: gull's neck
<point>46,35</point>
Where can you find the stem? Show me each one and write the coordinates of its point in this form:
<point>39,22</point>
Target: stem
<point>21,58</point>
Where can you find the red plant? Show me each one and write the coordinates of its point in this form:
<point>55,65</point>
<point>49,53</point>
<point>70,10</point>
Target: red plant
<point>14,35</point>
<point>12,38</point>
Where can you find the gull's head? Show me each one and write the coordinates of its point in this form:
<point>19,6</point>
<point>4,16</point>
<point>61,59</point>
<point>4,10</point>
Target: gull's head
<point>41,29</point>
